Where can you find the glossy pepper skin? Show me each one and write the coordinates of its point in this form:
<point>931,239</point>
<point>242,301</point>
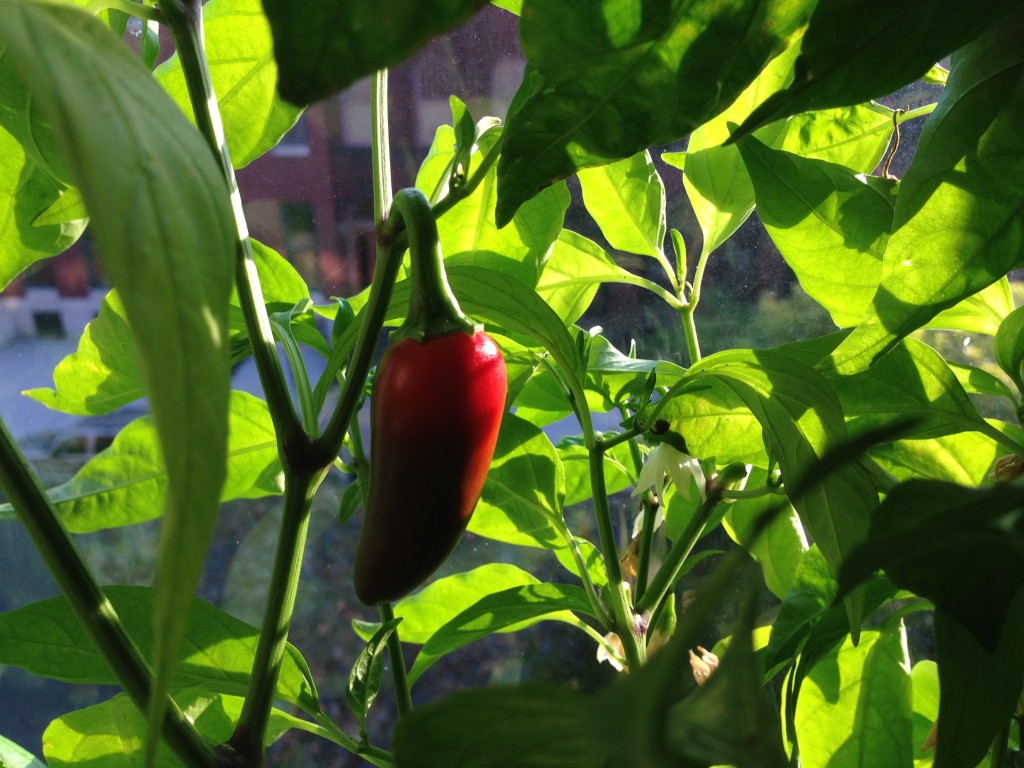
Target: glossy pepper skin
<point>435,411</point>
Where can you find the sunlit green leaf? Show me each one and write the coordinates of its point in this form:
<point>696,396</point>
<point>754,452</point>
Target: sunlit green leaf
<point>829,224</point>
<point>25,192</point>
<point>241,58</point>
<point>1009,347</point>
<point>957,226</point>
<point>627,200</point>
<point>506,611</point>
<point>963,458</point>
<point>574,271</point>
<point>13,756</point>
<point>925,680</point>
<point>367,673</point>
<point>111,734</point>
<point>854,708</point>
<point>855,136</point>
<point>522,499</point>
<point>715,178</point>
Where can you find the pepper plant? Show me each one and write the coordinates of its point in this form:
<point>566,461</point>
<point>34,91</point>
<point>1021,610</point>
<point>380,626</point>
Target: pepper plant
<point>853,474</point>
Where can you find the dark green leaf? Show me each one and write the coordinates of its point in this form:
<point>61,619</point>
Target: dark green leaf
<point>606,78</point>
<point>164,226</point>
<point>241,57</point>
<point>506,611</point>
<point>575,457</point>
<point>367,672</point>
<point>529,726</point>
<point>924,525</point>
<point>849,55</point>
<point>47,639</point>
<point>978,686</point>
<point>957,226</point>
<point>323,47</point>
<point>350,501</point>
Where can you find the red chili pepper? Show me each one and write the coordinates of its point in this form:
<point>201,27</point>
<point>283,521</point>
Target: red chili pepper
<point>436,407</point>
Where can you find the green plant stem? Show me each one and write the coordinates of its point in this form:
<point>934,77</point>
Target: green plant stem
<point>250,731</point>
<point>667,575</point>
<point>185,19</point>
<point>403,695</point>
<point>90,605</point>
<point>381,148</point>
<point>328,729</point>
<point>617,595</point>
<point>643,566</point>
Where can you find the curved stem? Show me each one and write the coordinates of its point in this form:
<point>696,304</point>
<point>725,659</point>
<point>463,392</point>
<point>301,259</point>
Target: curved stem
<point>666,576</point>
<point>90,605</point>
<point>403,695</point>
<point>250,731</point>
<point>381,148</point>
<point>185,20</point>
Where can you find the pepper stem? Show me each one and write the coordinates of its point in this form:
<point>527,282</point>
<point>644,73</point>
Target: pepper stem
<point>433,309</point>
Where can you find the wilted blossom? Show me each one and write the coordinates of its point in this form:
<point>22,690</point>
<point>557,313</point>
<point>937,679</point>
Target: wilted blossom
<point>614,642</point>
<point>703,666</point>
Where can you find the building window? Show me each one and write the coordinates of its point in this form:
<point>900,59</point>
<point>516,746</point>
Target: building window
<point>49,325</point>
<point>298,229</point>
<point>356,123</point>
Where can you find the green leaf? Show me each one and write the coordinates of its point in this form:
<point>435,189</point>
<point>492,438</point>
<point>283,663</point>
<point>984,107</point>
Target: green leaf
<point>506,611</point>
<point>847,56</point>
<point>127,483</point>
<point>25,192</point>
<point>163,223</point>
<point>627,200</point>
<point>575,460</point>
<point>240,52</point>
<point>488,728</point>
<point>715,178</point>
<point>855,136</point>
<point>963,458</point>
<point>575,269</point>
<point>1009,347</point>
<point>802,421</point>
<point>13,756</point>
<point>367,672</point>
<point>522,499</point>
<point>855,705</point>
<point>830,225</point>
<point>978,686</point>
<point>426,611</point>
<point>924,525</point>
<point>605,78</point>
<point>925,679</point>
<point>323,47</point>
<point>780,547</point>
<point>957,226</point>
<point>103,374</point>
<point>46,639</point>
<point>111,734</point>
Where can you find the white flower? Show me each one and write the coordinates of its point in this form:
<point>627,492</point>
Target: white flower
<point>611,651</point>
<point>682,468</point>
